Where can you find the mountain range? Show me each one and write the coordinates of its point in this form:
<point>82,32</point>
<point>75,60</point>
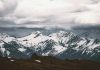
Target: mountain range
<point>63,45</point>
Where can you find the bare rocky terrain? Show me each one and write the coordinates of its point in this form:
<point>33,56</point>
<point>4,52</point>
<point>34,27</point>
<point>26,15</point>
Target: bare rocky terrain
<point>47,63</point>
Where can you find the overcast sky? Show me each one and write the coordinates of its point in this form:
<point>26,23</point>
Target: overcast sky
<point>49,12</point>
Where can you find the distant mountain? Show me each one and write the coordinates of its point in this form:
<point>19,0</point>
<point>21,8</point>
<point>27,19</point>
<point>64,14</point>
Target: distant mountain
<point>61,45</point>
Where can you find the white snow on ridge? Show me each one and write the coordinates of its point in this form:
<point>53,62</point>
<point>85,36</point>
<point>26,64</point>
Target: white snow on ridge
<point>33,41</point>
<point>59,49</point>
<point>37,37</point>
<point>9,39</point>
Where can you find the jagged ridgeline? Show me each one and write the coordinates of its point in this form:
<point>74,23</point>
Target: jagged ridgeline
<point>63,45</point>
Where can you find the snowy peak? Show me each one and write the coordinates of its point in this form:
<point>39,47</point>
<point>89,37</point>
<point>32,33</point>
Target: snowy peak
<point>6,38</point>
<point>62,34</point>
<point>31,36</point>
<point>3,36</point>
<point>36,34</point>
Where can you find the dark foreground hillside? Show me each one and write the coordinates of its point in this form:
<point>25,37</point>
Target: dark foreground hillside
<point>47,63</point>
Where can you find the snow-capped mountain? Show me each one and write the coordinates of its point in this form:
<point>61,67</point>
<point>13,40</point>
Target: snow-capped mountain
<point>62,45</point>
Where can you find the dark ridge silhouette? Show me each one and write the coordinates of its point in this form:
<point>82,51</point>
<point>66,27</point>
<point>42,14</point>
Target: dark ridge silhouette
<point>47,63</point>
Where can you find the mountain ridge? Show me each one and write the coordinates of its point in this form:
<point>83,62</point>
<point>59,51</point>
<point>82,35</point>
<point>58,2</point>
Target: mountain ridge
<point>61,45</point>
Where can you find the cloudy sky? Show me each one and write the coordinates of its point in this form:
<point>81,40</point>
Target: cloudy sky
<point>32,13</point>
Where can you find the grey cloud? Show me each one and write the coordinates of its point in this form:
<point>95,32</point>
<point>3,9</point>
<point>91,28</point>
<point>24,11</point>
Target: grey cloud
<point>7,6</point>
<point>86,27</point>
<point>55,12</point>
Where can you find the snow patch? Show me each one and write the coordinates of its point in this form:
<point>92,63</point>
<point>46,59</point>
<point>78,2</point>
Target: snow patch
<point>22,49</point>
<point>38,61</point>
<point>9,57</point>
<point>12,60</point>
